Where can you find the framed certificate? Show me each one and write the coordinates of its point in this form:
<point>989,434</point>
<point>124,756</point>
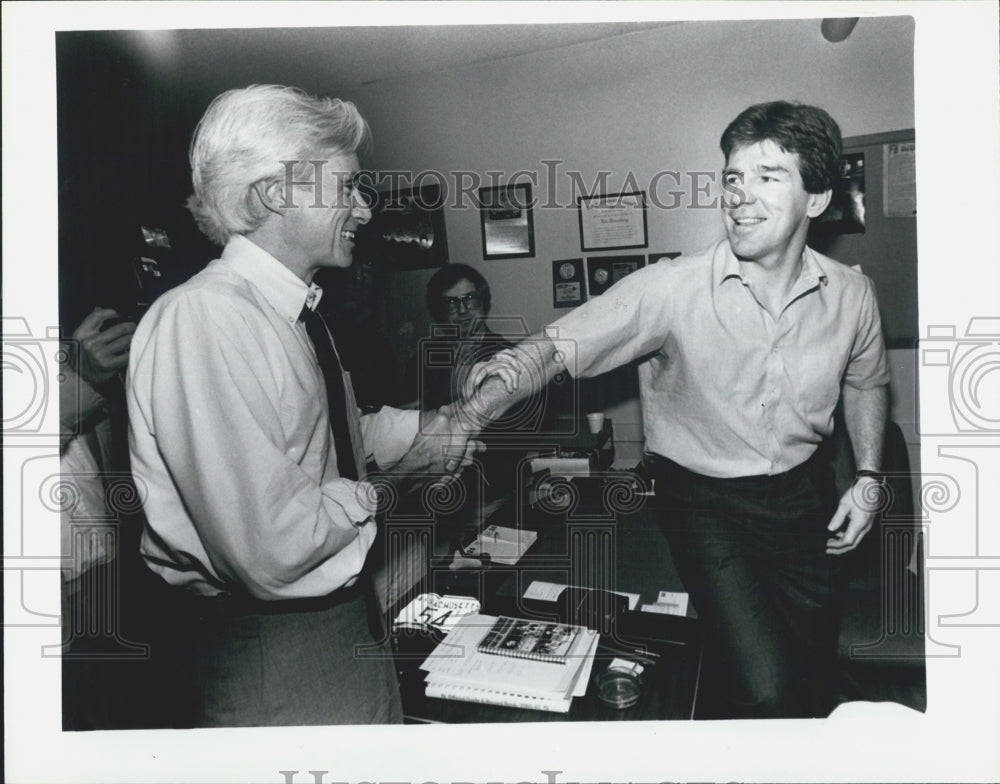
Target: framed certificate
<point>613,221</point>
<point>569,288</point>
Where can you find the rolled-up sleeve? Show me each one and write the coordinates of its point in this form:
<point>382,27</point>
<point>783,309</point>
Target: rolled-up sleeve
<point>867,366</point>
<point>388,434</point>
<point>78,401</point>
<point>614,328</point>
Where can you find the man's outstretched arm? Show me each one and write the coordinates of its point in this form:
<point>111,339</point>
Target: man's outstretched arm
<point>507,378</point>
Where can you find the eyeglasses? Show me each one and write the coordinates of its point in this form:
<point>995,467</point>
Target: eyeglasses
<point>472,301</point>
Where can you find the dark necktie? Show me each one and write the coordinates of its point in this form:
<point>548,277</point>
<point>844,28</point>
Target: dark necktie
<point>335,396</point>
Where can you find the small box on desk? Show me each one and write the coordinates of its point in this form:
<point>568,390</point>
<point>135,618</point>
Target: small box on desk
<point>595,609</point>
<point>580,454</point>
<point>611,613</point>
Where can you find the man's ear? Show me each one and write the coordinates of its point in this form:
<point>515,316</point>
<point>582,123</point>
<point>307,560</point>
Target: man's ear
<point>271,194</point>
<point>818,202</point>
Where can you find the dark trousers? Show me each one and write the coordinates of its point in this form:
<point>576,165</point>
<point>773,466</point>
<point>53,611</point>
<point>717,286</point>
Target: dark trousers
<point>125,664</point>
<point>314,662</point>
<point>751,553</point>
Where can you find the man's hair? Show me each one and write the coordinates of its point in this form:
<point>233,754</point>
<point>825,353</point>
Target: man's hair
<point>243,138</point>
<point>444,279</point>
<point>808,131</point>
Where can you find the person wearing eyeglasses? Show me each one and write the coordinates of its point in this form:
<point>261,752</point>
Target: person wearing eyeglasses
<point>458,299</point>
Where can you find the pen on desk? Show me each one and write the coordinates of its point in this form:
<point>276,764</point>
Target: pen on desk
<point>640,652</point>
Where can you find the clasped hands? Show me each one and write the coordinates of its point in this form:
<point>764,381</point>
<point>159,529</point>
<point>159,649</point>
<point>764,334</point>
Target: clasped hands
<point>446,441</point>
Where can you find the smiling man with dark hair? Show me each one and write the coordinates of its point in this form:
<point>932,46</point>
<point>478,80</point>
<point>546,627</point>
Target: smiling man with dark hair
<point>747,347</point>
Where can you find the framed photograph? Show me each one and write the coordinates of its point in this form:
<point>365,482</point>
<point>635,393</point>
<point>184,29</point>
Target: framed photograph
<point>613,221</point>
<point>507,223</point>
<point>655,257</point>
<point>863,226</point>
<point>846,211</point>
<point>569,288</point>
<point>406,230</point>
<point>606,271</point>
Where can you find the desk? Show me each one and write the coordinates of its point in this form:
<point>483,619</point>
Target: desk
<point>583,544</point>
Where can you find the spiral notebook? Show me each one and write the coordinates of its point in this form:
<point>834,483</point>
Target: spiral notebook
<point>536,640</point>
<point>457,669</point>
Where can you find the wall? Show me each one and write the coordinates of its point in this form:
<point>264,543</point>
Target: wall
<point>641,103</point>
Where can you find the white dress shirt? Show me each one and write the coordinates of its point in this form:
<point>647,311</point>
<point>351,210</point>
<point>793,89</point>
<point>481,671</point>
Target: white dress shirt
<point>231,443</point>
<point>726,389</point>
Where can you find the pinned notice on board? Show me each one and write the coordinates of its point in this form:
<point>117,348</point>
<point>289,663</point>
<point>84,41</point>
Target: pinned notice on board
<point>899,180</point>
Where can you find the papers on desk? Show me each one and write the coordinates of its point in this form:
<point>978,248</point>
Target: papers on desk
<point>550,592</point>
<point>669,603</point>
<point>458,669</point>
<point>501,544</point>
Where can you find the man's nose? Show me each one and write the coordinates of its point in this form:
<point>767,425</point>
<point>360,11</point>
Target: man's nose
<point>360,208</point>
<point>737,193</point>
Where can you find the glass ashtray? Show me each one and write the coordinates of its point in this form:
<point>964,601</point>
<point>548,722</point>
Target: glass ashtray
<point>619,688</point>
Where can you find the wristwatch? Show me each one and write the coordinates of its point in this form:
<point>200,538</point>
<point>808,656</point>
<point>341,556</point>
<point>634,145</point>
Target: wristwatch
<point>878,476</point>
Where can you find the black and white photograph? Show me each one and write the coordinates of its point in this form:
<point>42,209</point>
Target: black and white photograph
<point>300,301</point>
<point>406,230</point>
<point>846,213</point>
<point>507,221</point>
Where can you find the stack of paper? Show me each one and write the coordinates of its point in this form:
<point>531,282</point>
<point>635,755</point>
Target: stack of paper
<point>469,665</point>
<point>669,603</point>
<point>503,545</point>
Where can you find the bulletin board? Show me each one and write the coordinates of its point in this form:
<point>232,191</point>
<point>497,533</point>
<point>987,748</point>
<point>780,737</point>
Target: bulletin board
<point>884,245</point>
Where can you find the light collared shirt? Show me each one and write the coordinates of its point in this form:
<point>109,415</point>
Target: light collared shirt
<point>88,526</point>
<point>231,443</point>
<point>726,389</point>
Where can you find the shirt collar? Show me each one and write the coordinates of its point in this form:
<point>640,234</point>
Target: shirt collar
<point>285,290</point>
<point>728,266</point>
<point>812,269</point>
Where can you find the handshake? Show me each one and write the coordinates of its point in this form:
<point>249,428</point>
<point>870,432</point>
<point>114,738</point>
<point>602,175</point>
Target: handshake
<point>447,441</point>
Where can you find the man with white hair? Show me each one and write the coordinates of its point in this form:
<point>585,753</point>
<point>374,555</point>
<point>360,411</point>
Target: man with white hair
<point>245,438</point>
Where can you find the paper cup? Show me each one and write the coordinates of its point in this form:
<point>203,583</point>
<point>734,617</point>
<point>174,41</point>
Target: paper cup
<point>595,422</point>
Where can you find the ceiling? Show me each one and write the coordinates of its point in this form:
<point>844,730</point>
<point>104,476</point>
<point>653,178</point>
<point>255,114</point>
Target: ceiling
<point>346,57</point>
